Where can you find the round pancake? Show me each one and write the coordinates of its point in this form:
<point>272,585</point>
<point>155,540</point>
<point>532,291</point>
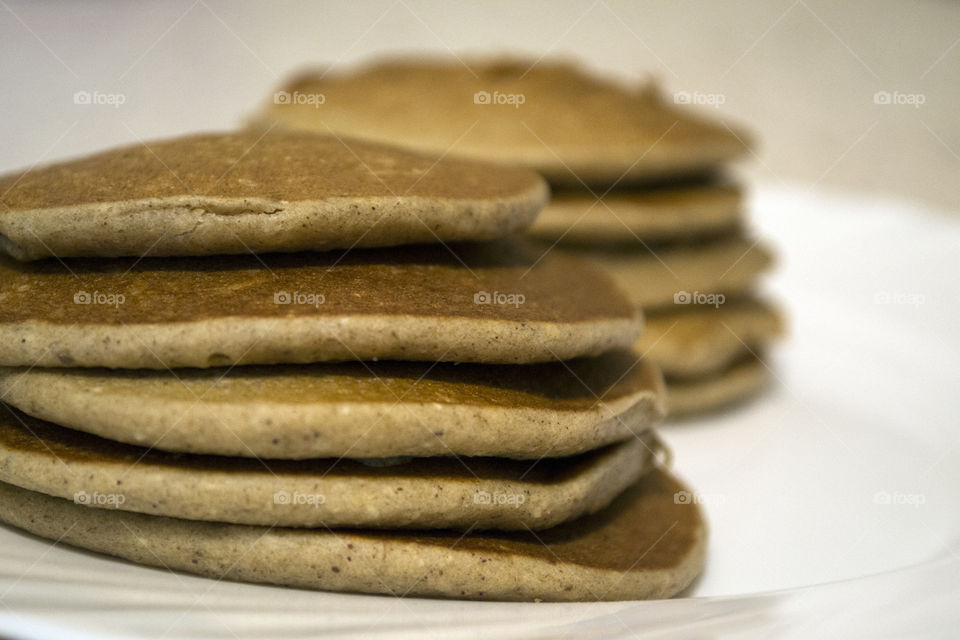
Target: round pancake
<point>703,394</point>
<point>652,215</point>
<point>361,410</point>
<point>571,125</point>
<point>649,543</point>
<point>696,340</point>
<point>657,277</point>
<point>250,192</point>
<point>463,493</point>
<point>494,302</point>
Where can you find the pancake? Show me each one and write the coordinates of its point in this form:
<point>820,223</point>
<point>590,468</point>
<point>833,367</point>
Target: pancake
<point>361,410</point>
<point>657,277</point>
<point>488,302</point>
<point>646,544</point>
<point>697,340</point>
<point>740,381</point>
<point>428,493</point>
<point>251,192</point>
<point>653,215</point>
<point>552,116</point>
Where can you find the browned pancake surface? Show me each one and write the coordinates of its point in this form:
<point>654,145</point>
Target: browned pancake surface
<point>646,544</point>
<point>274,166</point>
<point>645,528</point>
<point>572,124</point>
<point>421,280</point>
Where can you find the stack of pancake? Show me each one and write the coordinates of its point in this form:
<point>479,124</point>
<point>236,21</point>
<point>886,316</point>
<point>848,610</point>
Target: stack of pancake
<point>313,361</point>
<point>638,188</point>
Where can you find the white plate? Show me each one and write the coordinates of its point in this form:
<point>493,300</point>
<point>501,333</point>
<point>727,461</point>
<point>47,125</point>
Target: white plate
<point>833,500</point>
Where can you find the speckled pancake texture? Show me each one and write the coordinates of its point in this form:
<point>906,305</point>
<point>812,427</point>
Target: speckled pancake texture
<point>368,410</point>
<point>647,544</point>
<point>442,492</point>
<point>500,302</point>
<point>245,192</point>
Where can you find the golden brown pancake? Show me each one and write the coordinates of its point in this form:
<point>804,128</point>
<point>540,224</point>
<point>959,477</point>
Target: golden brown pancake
<point>649,543</point>
<point>428,493</point>
<point>697,395</point>
<point>649,215</point>
<point>368,410</point>
<point>570,125</point>
<point>695,340</point>
<point>489,302</point>
<point>662,277</point>
<point>252,192</point>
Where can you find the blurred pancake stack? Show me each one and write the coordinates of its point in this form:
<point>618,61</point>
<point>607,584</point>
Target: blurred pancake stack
<point>309,360</point>
<point>640,186</point>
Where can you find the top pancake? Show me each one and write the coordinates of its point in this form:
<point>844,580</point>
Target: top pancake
<point>241,192</point>
<point>552,116</point>
<point>495,302</point>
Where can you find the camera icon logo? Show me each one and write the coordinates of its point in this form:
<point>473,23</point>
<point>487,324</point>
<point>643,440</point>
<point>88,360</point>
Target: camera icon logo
<point>482,297</point>
<point>82,297</point>
<point>682,297</point>
<point>282,297</point>
<point>481,97</point>
<point>683,497</point>
<point>82,97</point>
<point>682,97</point>
<point>81,497</point>
<point>281,497</point>
<point>281,97</point>
<point>482,497</point>
<point>882,97</point>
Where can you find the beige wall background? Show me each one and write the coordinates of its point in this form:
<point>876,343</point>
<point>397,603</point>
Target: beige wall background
<point>803,74</point>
